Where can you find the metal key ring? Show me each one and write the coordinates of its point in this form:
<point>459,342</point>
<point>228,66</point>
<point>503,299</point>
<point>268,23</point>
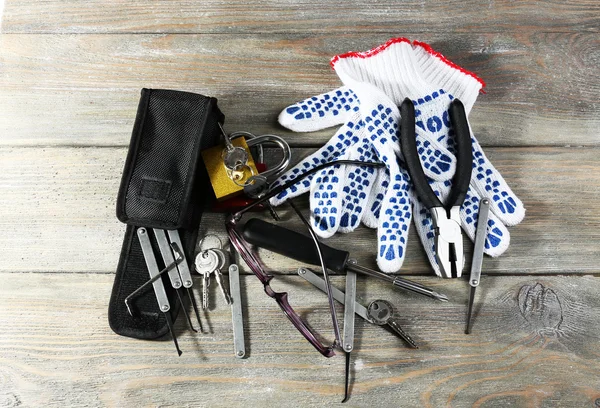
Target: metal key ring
<point>242,166</point>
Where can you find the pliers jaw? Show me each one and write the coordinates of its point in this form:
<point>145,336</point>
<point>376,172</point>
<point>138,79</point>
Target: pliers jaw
<point>448,241</point>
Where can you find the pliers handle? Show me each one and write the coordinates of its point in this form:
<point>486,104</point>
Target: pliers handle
<point>446,218</point>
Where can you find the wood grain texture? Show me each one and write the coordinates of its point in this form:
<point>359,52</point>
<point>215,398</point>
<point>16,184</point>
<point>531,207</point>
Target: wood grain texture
<point>283,16</point>
<point>534,343</point>
<point>57,212</point>
<point>83,90</point>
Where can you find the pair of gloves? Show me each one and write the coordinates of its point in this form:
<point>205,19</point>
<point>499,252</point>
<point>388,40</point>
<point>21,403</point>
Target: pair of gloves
<point>375,83</point>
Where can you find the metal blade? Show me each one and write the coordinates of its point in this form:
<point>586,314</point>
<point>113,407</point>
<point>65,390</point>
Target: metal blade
<point>347,384</point>
<point>480,235</point>
<point>470,311</point>
<point>170,324</point>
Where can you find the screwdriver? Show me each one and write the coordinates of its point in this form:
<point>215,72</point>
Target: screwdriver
<point>300,247</point>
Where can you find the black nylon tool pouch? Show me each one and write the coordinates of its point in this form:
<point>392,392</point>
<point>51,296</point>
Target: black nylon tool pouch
<point>164,185</point>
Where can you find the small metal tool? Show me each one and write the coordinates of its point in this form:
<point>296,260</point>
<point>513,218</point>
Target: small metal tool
<point>167,256</point>
<point>480,236</point>
<point>338,295</point>
<point>381,312</point>
<point>184,272</point>
<point>349,310</point>
<point>159,289</point>
<point>178,259</point>
<point>300,247</point>
<point>236,311</point>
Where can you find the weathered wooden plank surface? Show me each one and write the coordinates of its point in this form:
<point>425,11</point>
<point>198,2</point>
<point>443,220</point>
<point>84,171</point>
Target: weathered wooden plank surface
<point>57,212</point>
<point>534,343</point>
<point>84,89</point>
<point>331,17</point>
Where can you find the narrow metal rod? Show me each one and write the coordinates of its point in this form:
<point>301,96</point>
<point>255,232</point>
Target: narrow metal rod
<point>185,312</point>
<point>397,281</point>
<point>170,324</point>
<point>195,307</point>
<point>470,310</point>
<point>347,383</point>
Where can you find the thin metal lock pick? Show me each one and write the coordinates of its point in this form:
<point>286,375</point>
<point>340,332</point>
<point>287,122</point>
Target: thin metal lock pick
<point>349,310</point>
<point>159,289</point>
<point>480,235</point>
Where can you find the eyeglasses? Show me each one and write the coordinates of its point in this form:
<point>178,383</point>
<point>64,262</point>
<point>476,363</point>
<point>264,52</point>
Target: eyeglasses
<point>256,266</point>
<point>281,298</point>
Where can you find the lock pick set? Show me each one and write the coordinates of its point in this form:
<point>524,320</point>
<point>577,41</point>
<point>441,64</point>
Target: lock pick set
<point>403,153</point>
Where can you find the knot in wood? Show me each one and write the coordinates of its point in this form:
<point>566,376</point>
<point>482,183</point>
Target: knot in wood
<point>541,307</point>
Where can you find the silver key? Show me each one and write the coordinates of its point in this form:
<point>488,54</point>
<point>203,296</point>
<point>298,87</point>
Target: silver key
<point>206,262</point>
<point>219,275</point>
<point>381,312</point>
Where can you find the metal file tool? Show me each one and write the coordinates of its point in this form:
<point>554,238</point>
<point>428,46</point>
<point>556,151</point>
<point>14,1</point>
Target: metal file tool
<point>159,289</point>
<point>480,236</point>
<point>236,311</point>
<point>349,310</point>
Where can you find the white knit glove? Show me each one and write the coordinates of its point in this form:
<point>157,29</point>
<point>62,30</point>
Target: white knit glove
<point>381,78</point>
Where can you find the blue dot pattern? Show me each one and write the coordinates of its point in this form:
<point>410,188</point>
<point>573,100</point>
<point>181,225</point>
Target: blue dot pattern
<point>432,122</point>
<point>493,185</point>
<point>325,214</point>
<point>484,172</point>
<point>331,103</point>
<point>359,182</point>
<point>395,219</point>
<point>343,101</point>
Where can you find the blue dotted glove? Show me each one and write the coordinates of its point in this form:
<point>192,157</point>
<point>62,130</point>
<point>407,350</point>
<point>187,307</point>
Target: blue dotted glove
<point>341,197</point>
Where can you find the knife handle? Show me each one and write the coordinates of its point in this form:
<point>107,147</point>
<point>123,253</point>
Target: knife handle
<point>292,244</point>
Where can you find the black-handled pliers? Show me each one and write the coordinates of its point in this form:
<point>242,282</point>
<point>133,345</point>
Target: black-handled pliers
<point>446,218</point>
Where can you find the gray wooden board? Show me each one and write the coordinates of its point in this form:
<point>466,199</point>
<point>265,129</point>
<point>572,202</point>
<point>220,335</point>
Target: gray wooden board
<point>534,343</point>
<point>84,89</point>
<point>70,77</point>
<point>57,212</point>
<point>330,17</point>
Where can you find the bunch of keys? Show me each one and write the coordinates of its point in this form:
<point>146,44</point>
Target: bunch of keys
<point>232,169</point>
<point>235,160</point>
<point>211,260</point>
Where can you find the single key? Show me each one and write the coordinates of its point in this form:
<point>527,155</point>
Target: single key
<point>219,275</point>
<point>381,312</point>
<point>206,262</point>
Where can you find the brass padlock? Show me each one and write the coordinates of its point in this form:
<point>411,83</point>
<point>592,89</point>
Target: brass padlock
<point>225,182</point>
